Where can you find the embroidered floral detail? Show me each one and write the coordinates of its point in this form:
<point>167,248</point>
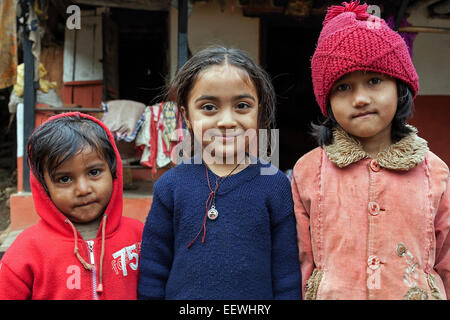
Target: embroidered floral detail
<point>402,155</point>
<point>416,293</point>
<point>410,277</point>
<point>435,293</point>
<point>312,285</point>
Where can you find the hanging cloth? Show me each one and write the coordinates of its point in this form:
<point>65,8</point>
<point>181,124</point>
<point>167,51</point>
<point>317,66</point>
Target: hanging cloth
<point>158,136</point>
<point>170,125</point>
<point>148,138</point>
<point>154,136</point>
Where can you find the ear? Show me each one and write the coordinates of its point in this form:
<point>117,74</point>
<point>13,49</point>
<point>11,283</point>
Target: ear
<point>185,117</point>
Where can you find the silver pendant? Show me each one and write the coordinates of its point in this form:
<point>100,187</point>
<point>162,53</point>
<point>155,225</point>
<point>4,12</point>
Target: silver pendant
<point>212,213</point>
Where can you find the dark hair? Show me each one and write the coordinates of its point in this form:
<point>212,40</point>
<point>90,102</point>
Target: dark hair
<point>184,79</point>
<point>323,132</point>
<point>58,140</point>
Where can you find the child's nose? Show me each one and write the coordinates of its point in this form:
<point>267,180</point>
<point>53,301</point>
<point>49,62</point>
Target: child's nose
<point>227,119</point>
<point>83,187</point>
<point>360,97</point>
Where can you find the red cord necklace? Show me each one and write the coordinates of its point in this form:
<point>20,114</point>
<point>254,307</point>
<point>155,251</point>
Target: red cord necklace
<point>211,211</point>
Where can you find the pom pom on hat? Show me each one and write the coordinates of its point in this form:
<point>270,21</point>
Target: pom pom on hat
<point>353,40</point>
<point>360,11</point>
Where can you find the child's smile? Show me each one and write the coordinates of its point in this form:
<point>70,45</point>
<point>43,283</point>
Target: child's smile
<point>81,187</point>
<point>364,104</point>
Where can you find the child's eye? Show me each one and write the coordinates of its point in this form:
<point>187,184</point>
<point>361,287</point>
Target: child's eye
<point>242,105</point>
<point>373,81</point>
<point>64,179</point>
<point>94,172</point>
<point>342,87</point>
<point>208,107</point>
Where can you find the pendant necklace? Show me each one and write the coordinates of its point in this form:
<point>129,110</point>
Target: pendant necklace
<point>211,211</point>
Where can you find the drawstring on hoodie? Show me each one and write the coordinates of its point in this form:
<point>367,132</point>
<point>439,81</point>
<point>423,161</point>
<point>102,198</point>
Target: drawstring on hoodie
<point>102,254</point>
<point>86,265</point>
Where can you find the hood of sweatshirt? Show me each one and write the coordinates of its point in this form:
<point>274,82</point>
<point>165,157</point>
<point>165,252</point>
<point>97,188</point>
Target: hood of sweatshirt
<point>56,219</point>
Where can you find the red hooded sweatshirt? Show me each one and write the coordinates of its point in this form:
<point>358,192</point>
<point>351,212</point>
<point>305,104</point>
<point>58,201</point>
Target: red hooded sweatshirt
<point>42,263</point>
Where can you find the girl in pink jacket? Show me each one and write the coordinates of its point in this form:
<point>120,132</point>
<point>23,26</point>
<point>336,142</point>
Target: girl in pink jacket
<point>372,202</point>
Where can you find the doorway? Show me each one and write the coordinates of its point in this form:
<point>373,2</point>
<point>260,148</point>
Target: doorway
<point>287,45</point>
<point>142,44</point>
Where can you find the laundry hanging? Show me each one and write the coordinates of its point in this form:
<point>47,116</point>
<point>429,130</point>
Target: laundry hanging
<point>158,135</point>
<point>124,118</point>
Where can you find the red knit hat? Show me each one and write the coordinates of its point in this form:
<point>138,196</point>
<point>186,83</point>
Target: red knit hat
<point>351,40</point>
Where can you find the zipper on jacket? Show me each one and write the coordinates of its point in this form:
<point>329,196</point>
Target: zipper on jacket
<point>90,244</point>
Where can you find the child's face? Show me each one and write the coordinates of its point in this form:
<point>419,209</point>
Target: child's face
<point>81,187</point>
<point>224,102</point>
<point>364,103</point>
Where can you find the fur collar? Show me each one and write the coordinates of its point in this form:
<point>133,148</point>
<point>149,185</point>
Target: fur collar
<point>402,155</point>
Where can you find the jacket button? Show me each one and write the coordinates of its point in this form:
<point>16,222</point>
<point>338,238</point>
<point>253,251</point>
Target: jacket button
<point>373,262</point>
<point>374,166</point>
<point>374,208</point>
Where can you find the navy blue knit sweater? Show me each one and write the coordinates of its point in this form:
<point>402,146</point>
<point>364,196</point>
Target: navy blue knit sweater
<point>250,250</point>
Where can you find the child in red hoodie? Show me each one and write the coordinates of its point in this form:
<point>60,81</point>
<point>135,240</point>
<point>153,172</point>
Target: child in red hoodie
<point>82,248</point>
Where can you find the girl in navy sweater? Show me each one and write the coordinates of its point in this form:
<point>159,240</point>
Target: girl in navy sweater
<point>221,224</point>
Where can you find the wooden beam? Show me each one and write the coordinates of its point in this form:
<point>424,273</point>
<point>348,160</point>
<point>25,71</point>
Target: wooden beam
<point>151,5</point>
<point>424,29</point>
<point>55,109</point>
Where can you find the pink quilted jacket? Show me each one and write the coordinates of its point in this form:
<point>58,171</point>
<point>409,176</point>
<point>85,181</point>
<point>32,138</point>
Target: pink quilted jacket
<point>373,228</point>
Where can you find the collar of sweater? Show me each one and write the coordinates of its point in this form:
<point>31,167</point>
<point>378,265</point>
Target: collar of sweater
<point>402,155</point>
